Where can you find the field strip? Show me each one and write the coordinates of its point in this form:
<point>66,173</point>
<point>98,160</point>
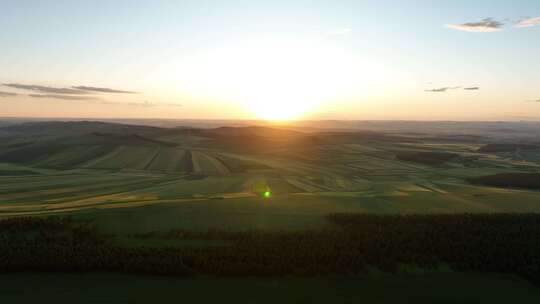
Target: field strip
<point>493,189</point>
<point>332,194</point>
<point>42,208</point>
<point>412,188</point>
<point>322,187</point>
<point>154,161</point>
<point>175,164</point>
<point>218,165</point>
<point>80,184</point>
<point>53,180</point>
<point>150,159</point>
<point>302,185</point>
<point>111,190</point>
<point>65,190</point>
<point>283,164</point>
<point>41,211</point>
<point>195,160</point>
<point>233,195</point>
<point>432,187</point>
<point>109,155</point>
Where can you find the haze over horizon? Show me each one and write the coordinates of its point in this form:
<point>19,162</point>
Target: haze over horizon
<point>274,60</point>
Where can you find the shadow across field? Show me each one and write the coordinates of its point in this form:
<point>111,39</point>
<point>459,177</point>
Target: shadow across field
<point>495,243</point>
<point>407,288</point>
<point>508,180</point>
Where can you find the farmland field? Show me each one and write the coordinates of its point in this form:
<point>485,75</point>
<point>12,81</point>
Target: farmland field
<point>188,178</point>
<point>134,181</point>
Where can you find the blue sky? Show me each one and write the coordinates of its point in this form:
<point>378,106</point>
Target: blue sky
<point>397,51</point>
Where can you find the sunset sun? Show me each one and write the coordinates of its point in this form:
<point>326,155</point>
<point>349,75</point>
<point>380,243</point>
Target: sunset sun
<point>278,79</point>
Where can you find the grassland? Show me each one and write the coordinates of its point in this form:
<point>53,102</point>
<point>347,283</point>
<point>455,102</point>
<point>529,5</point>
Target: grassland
<point>214,177</point>
<point>131,180</point>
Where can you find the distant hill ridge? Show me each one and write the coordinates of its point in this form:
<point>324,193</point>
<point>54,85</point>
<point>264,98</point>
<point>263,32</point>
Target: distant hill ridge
<point>135,139</point>
<point>507,147</point>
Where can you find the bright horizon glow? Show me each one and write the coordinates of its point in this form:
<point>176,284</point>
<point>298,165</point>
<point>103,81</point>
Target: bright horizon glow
<point>272,60</point>
<point>278,79</point>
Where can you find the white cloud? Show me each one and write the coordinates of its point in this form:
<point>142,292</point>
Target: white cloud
<point>487,25</point>
<point>443,89</point>
<point>7,94</point>
<point>528,22</point>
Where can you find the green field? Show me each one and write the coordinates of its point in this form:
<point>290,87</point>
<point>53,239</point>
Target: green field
<point>198,179</point>
<point>133,180</point>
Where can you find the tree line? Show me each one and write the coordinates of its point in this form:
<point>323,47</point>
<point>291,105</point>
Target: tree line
<point>501,243</point>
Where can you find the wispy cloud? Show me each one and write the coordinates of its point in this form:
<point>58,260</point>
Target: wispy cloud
<point>77,93</point>
<point>490,25</point>
<point>471,88</point>
<point>45,89</point>
<point>7,94</point>
<point>102,90</point>
<point>75,90</point>
<point>145,104</point>
<point>441,90</point>
<point>485,26</point>
<point>528,22</point>
<point>63,97</point>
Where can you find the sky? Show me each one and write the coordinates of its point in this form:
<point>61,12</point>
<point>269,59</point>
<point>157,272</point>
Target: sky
<point>276,60</point>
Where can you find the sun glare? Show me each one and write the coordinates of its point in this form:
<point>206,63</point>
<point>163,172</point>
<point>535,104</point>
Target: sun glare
<point>278,80</point>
